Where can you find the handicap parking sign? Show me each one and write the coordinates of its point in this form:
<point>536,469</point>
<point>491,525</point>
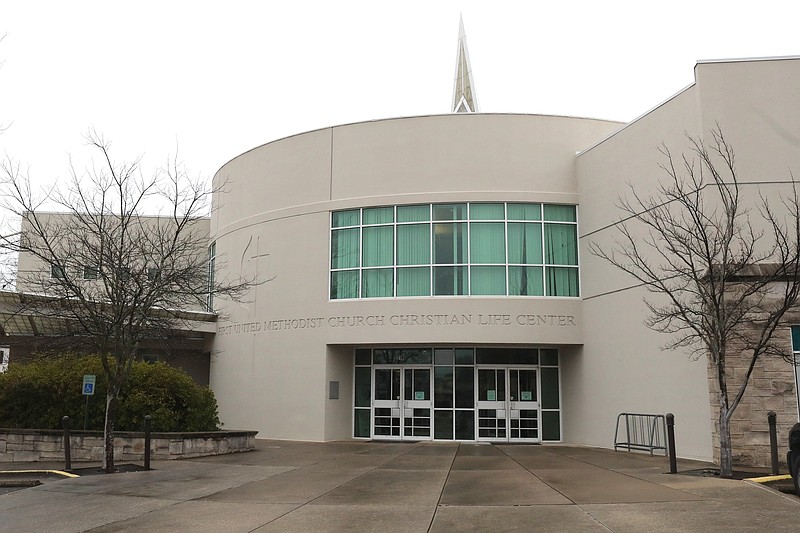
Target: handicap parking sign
<point>88,384</point>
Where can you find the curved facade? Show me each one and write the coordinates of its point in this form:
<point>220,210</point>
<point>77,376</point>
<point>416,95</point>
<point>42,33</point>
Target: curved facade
<point>423,279</point>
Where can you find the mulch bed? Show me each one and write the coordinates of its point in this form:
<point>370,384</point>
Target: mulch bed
<point>118,469</point>
<point>785,486</point>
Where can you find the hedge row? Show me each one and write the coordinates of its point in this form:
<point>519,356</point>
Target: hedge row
<point>38,394</point>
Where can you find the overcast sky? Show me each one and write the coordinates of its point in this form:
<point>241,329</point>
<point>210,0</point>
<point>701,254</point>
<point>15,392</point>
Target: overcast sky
<point>214,79</point>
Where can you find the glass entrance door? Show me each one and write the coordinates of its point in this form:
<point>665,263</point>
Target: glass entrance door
<point>401,403</point>
<point>523,414</point>
<point>492,404</point>
<point>508,406</point>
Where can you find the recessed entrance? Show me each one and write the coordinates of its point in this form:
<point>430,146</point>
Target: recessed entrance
<point>457,393</point>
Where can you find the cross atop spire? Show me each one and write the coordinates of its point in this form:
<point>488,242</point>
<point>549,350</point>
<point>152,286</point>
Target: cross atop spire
<point>464,98</point>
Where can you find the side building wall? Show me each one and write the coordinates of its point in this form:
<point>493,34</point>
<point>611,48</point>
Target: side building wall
<point>754,104</point>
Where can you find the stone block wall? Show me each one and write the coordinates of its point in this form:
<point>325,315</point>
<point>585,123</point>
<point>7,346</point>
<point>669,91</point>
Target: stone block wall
<point>27,445</point>
<point>771,388</point>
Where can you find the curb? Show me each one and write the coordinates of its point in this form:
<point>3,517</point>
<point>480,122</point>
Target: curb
<point>767,479</point>
<point>29,473</point>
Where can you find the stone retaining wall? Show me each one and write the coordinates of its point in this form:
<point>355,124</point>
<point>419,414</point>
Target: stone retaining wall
<point>24,445</point>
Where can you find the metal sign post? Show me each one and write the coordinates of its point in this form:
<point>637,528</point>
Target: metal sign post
<point>89,381</point>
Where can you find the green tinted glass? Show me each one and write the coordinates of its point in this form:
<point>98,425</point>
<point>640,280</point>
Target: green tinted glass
<point>524,212</point>
<point>561,244</point>
<point>449,211</point>
<point>362,386</point>
<point>559,213</point>
<point>414,281</point>
<point>562,281</point>
<point>486,242</point>
<point>344,284</point>
<point>549,377</point>
<point>525,281</point>
<point>378,246</point>
<point>450,281</point>
<point>551,422</point>
<point>450,243</point>
<point>796,338</point>
<point>486,212</point>
<point>524,243</point>
<point>345,218</point>
<point>344,248</point>
<point>488,280</point>
<point>379,215</point>
<point>414,244</point>
<point>377,283</point>
<point>413,213</point>
<point>361,425</point>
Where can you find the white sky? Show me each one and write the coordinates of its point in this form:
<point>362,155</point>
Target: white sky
<point>215,79</point>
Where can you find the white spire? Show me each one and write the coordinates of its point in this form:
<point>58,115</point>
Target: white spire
<point>464,98</point>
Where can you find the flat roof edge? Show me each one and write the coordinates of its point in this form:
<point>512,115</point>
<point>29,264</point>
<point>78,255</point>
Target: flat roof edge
<point>747,59</point>
<point>637,119</point>
<point>411,117</point>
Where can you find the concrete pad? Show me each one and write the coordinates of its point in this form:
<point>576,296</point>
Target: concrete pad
<point>390,448</point>
<point>542,460</point>
<point>185,481</point>
<point>590,484</point>
<point>766,513</point>
<point>398,487</point>
<point>501,487</point>
<point>201,516</point>
<point>479,450</point>
<point>294,487</point>
<point>433,448</point>
<point>488,462</point>
<point>72,512</point>
<point>539,518</point>
<point>389,487</point>
<point>361,518</point>
<point>418,462</point>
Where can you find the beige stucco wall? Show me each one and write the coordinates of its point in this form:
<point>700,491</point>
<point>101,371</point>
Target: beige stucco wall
<point>33,274</point>
<point>755,104</point>
<point>276,353</point>
<point>621,367</point>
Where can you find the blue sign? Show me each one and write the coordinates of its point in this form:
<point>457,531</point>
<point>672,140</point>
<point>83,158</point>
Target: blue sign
<point>88,384</point>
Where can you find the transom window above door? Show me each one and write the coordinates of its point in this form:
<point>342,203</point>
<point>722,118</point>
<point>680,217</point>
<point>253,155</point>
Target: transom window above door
<point>458,249</point>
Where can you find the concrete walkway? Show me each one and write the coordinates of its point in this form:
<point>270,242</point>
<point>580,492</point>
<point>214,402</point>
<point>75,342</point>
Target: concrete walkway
<point>369,486</point>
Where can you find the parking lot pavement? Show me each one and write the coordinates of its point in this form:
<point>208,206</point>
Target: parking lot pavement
<point>378,486</point>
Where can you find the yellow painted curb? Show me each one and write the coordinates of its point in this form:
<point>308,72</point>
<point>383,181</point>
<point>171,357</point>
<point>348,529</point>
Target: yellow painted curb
<point>56,472</point>
<point>766,479</point>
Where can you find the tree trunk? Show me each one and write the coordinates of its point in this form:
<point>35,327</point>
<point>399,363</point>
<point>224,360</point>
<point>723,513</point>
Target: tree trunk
<point>725,453</point>
<point>108,431</point>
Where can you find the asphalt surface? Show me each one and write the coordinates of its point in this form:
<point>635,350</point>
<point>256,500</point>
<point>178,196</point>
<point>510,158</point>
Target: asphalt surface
<point>370,486</point>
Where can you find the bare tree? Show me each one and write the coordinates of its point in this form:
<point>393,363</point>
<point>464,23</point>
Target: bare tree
<point>105,274</point>
<point>723,274</point>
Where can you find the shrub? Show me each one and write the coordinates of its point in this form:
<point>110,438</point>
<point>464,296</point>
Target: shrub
<point>39,393</point>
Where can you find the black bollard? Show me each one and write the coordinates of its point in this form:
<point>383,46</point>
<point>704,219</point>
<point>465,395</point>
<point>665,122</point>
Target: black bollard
<point>773,441</point>
<point>673,457</point>
<point>67,455</point>
<point>147,423</point>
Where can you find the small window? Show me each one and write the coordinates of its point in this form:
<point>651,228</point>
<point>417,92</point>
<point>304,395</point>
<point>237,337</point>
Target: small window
<point>57,272</point>
<point>150,358</point>
<point>90,272</point>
